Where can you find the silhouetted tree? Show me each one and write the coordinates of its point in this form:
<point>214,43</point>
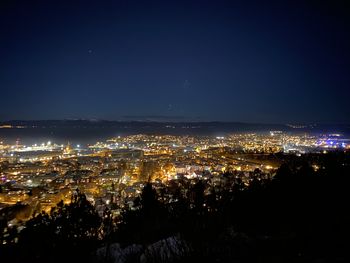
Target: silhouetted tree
<point>146,221</point>
<point>69,232</point>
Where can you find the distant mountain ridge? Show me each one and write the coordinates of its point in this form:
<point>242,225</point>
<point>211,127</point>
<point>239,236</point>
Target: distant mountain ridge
<point>161,125</point>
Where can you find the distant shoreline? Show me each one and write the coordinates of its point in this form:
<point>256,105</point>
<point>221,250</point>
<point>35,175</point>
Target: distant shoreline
<point>86,132</point>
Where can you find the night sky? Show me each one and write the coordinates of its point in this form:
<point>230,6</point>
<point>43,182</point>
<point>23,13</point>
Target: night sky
<point>185,60</point>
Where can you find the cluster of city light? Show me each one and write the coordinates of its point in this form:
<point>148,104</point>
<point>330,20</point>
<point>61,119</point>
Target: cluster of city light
<point>50,171</point>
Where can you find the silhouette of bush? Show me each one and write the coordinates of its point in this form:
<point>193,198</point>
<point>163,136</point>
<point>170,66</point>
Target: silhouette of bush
<point>70,232</point>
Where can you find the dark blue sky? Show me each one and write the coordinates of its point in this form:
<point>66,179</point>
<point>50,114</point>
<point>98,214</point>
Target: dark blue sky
<point>197,60</point>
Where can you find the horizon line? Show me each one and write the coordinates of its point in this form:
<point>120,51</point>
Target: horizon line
<point>179,121</point>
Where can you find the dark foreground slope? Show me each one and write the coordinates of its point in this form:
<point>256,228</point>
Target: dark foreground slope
<point>300,215</point>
